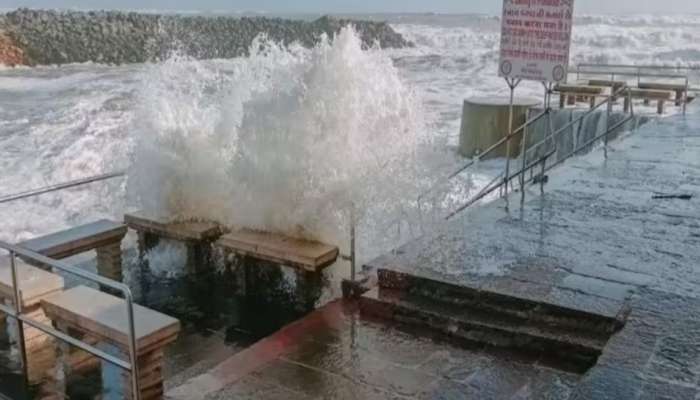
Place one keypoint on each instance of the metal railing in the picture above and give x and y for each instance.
(642, 71)
(16, 312)
(61, 186)
(502, 181)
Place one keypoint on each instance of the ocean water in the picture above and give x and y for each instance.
(286, 140)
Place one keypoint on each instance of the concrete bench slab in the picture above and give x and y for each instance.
(181, 231)
(302, 254)
(578, 89)
(196, 235)
(606, 83)
(34, 283)
(661, 86)
(678, 89)
(77, 240)
(104, 316)
(648, 95)
(651, 94)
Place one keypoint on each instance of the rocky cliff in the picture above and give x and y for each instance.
(58, 37)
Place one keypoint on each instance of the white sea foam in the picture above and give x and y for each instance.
(195, 119)
(286, 140)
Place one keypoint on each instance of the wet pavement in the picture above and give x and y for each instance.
(335, 353)
(597, 241)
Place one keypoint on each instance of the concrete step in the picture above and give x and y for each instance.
(560, 348)
(543, 314)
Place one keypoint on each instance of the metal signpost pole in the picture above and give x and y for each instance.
(512, 84)
(535, 45)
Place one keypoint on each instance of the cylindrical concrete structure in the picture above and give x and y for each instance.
(485, 122)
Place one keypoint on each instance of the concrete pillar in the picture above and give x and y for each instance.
(71, 360)
(197, 255)
(627, 104)
(485, 122)
(109, 262)
(679, 97)
(660, 107)
(150, 376)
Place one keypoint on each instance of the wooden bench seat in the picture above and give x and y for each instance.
(104, 317)
(678, 89)
(196, 235)
(104, 236)
(301, 254)
(35, 284)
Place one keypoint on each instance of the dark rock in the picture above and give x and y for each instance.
(57, 37)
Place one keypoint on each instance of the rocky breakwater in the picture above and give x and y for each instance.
(58, 37)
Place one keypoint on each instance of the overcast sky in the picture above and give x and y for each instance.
(358, 6)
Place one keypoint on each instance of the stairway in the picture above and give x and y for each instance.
(563, 338)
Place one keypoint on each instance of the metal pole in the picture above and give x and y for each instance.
(18, 311)
(512, 84)
(607, 126)
(685, 96)
(61, 186)
(352, 245)
(133, 353)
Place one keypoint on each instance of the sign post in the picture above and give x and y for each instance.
(535, 45)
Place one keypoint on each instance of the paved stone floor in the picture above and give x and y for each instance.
(336, 354)
(597, 240)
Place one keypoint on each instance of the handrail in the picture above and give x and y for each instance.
(490, 188)
(61, 186)
(578, 119)
(16, 312)
(687, 67)
(486, 152)
(500, 143)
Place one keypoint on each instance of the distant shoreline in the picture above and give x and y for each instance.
(49, 37)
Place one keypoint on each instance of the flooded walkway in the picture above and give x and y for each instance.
(617, 237)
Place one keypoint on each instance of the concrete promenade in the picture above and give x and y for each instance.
(608, 236)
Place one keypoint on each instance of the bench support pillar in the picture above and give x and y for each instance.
(680, 94)
(109, 262)
(197, 255)
(150, 376)
(39, 347)
(660, 107)
(73, 360)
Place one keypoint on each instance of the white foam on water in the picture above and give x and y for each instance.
(286, 140)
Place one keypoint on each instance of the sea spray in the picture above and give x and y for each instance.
(286, 140)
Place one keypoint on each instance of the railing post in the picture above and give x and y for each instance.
(353, 272)
(607, 126)
(18, 311)
(133, 351)
(512, 84)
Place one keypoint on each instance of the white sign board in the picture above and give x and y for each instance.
(535, 39)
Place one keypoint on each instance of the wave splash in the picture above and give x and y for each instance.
(287, 140)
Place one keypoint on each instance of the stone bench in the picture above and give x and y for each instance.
(307, 258)
(648, 95)
(301, 254)
(35, 284)
(571, 92)
(197, 236)
(101, 316)
(104, 236)
(678, 89)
